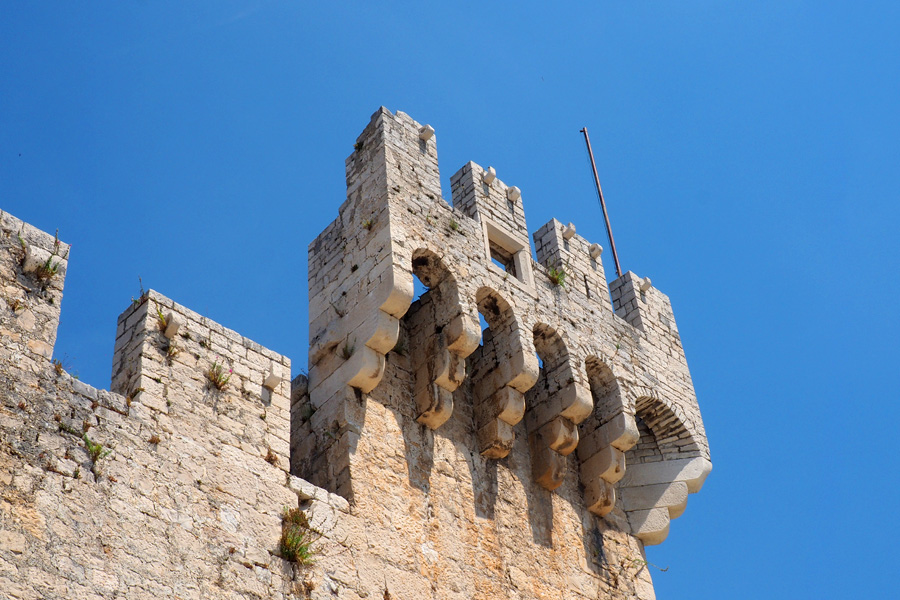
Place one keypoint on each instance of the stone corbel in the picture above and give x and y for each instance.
(500, 391)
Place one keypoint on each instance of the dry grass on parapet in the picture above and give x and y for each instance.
(297, 537)
(172, 350)
(63, 365)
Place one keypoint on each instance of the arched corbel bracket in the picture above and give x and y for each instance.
(443, 331)
(557, 404)
(505, 367)
(671, 465)
(605, 437)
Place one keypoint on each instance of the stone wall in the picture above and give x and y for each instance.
(411, 395)
(429, 459)
(156, 492)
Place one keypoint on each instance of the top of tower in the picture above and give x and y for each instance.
(579, 364)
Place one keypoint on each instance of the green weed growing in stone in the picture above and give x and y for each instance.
(57, 245)
(454, 225)
(557, 275)
(95, 451)
(14, 304)
(217, 375)
(161, 320)
(136, 301)
(348, 350)
(48, 270)
(63, 426)
(368, 224)
(297, 537)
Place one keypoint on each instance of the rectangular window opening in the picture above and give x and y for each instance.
(503, 258)
(508, 253)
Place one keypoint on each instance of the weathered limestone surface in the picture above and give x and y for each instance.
(533, 459)
(575, 387)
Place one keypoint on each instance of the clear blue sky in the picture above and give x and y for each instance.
(748, 152)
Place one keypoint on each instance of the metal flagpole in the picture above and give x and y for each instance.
(612, 242)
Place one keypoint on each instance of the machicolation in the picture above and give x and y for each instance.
(422, 457)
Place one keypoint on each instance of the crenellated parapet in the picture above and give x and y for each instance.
(165, 353)
(33, 270)
(592, 376)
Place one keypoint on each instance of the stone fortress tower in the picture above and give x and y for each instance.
(533, 459)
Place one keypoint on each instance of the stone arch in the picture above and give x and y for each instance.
(556, 404)
(493, 307)
(605, 390)
(504, 367)
(663, 467)
(441, 332)
(668, 426)
(605, 437)
(429, 267)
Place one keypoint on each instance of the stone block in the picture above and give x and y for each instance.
(173, 324)
(35, 259)
(151, 401)
(620, 432)
(576, 402)
(434, 405)
(671, 496)
(692, 471)
(560, 435)
(608, 464)
(599, 496)
(12, 541)
(495, 439)
(651, 526)
(508, 404)
(548, 467)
